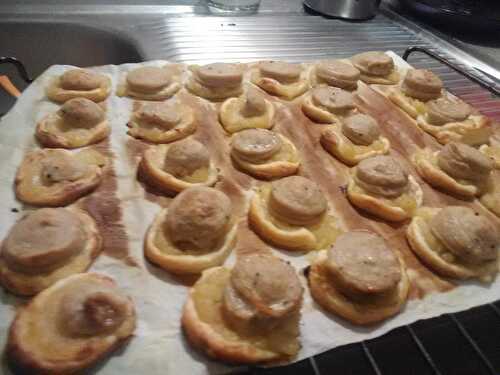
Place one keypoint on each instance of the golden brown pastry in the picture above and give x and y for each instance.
(264, 154)
(376, 67)
(196, 232)
(381, 187)
(492, 149)
(217, 81)
(70, 326)
(359, 278)
(417, 87)
(149, 83)
(458, 169)
(79, 83)
(280, 78)
(249, 314)
(336, 73)
(178, 166)
(45, 246)
(249, 111)
(357, 139)
(57, 177)
(162, 122)
(455, 242)
(326, 104)
(292, 213)
(78, 123)
(449, 119)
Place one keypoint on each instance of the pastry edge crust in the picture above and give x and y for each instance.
(22, 288)
(59, 95)
(274, 169)
(429, 257)
(439, 179)
(167, 182)
(297, 240)
(332, 147)
(205, 92)
(22, 360)
(49, 139)
(185, 264)
(204, 337)
(356, 313)
(163, 94)
(380, 209)
(72, 191)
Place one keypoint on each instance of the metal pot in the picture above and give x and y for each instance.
(348, 9)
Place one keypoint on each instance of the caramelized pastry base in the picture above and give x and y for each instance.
(361, 313)
(434, 254)
(35, 344)
(206, 328)
(160, 250)
(425, 162)
(493, 152)
(52, 131)
(292, 237)
(321, 115)
(163, 94)
(397, 209)
(476, 130)
(391, 79)
(31, 189)
(284, 163)
(491, 195)
(287, 91)
(29, 284)
(413, 107)
(156, 134)
(59, 95)
(213, 93)
(151, 169)
(347, 152)
(233, 121)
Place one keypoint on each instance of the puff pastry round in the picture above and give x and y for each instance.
(357, 139)
(57, 177)
(326, 104)
(376, 67)
(249, 111)
(249, 314)
(45, 246)
(336, 73)
(194, 233)
(264, 154)
(79, 83)
(178, 166)
(163, 122)
(359, 278)
(281, 79)
(70, 326)
(292, 213)
(455, 242)
(78, 123)
(150, 83)
(381, 187)
(449, 119)
(457, 169)
(418, 87)
(217, 81)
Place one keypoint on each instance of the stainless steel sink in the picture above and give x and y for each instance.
(40, 44)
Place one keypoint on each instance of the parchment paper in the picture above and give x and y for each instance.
(159, 346)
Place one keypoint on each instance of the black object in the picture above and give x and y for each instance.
(19, 66)
(466, 15)
(489, 85)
